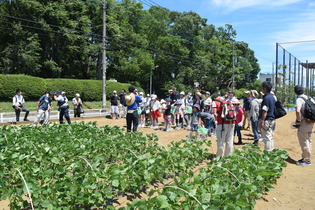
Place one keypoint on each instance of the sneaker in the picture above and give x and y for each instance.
(302, 163)
(178, 128)
(188, 127)
(239, 143)
(26, 120)
(255, 142)
(168, 130)
(156, 127)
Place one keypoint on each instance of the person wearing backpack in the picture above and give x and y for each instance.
(304, 106)
(225, 116)
(267, 123)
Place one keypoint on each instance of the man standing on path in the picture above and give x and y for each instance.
(18, 106)
(43, 107)
(62, 100)
(267, 122)
(305, 127)
(132, 102)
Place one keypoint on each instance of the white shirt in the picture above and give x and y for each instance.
(76, 101)
(156, 105)
(17, 100)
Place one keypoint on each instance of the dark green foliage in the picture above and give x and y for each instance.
(65, 41)
(34, 87)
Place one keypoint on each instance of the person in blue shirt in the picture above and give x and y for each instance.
(267, 122)
(43, 107)
(132, 102)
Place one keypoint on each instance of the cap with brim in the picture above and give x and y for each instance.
(247, 91)
(63, 93)
(130, 99)
(182, 93)
(167, 99)
(231, 92)
(163, 101)
(235, 102)
(207, 93)
(153, 96)
(58, 91)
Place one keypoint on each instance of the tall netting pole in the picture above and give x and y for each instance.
(276, 79)
(294, 71)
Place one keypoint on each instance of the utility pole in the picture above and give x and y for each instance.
(104, 56)
(233, 68)
(151, 78)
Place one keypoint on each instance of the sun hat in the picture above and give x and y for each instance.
(154, 96)
(130, 99)
(197, 106)
(77, 95)
(63, 93)
(114, 91)
(141, 93)
(148, 95)
(254, 93)
(162, 101)
(182, 93)
(235, 101)
(58, 91)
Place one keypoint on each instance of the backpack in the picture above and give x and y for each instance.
(309, 109)
(228, 112)
(279, 110)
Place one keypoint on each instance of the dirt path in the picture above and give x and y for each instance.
(294, 189)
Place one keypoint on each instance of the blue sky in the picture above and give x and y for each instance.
(261, 23)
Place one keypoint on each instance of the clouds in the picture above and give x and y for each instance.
(232, 5)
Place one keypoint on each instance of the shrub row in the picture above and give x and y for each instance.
(34, 87)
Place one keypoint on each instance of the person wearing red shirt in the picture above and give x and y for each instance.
(239, 121)
(224, 130)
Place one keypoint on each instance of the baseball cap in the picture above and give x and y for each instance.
(58, 91)
(182, 93)
(168, 99)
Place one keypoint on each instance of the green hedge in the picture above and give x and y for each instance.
(34, 87)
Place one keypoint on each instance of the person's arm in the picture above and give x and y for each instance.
(23, 101)
(75, 102)
(298, 112)
(39, 100)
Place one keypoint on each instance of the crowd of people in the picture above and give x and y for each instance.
(44, 106)
(222, 116)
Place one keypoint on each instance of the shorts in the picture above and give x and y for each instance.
(168, 119)
(156, 114)
(194, 127)
(114, 110)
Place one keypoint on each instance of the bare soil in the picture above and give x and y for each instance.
(295, 188)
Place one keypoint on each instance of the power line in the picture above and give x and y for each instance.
(296, 42)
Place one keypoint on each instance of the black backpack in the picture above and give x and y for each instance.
(279, 110)
(309, 109)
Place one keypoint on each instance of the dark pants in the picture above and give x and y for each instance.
(208, 123)
(64, 113)
(77, 112)
(18, 111)
(237, 131)
(132, 118)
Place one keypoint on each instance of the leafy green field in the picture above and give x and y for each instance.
(82, 166)
(31, 105)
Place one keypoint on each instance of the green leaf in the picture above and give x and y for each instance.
(115, 183)
(162, 201)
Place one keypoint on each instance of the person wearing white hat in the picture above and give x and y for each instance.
(155, 112)
(239, 121)
(63, 106)
(207, 103)
(132, 102)
(114, 111)
(77, 103)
